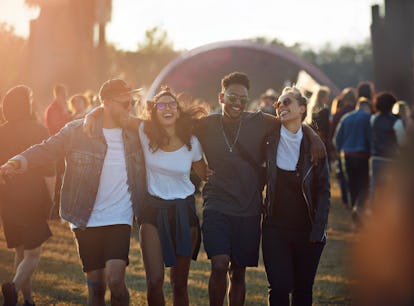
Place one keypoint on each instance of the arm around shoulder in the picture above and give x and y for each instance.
(317, 149)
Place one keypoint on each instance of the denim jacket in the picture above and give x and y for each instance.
(84, 157)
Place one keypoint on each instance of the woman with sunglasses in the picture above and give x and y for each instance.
(297, 205)
(169, 226)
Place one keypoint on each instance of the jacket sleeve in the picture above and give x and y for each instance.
(48, 169)
(338, 138)
(49, 151)
(322, 201)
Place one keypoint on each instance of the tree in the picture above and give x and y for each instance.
(345, 66)
(11, 56)
(156, 42)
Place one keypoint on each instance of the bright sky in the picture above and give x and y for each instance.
(192, 23)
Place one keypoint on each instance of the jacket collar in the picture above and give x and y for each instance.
(97, 131)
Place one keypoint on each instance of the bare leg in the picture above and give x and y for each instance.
(115, 277)
(25, 264)
(153, 264)
(179, 279)
(218, 279)
(237, 289)
(96, 287)
(179, 275)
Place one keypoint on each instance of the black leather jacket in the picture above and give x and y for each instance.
(315, 186)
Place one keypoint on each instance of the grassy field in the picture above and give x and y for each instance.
(59, 279)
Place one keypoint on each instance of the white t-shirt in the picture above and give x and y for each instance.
(288, 149)
(168, 173)
(113, 202)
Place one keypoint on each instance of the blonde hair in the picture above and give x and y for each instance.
(297, 94)
(316, 104)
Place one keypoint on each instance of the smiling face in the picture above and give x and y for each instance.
(166, 110)
(289, 109)
(119, 108)
(234, 100)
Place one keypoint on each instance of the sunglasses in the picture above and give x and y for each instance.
(284, 102)
(126, 104)
(163, 105)
(234, 98)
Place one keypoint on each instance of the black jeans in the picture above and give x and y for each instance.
(291, 262)
(357, 170)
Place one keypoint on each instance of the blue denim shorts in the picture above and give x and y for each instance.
(237, 237)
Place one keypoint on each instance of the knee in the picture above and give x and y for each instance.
(116, 284)
(179, 286)
(219, 267)
(305, 287)
(155, 283)
(33, 254)
(97, 289)
(237, 274)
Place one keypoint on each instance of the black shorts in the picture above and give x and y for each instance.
(29, 235)
(97, 245)
(237, 237)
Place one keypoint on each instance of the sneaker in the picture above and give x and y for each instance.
(9, 294)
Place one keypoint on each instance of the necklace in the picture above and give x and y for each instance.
(230, 147)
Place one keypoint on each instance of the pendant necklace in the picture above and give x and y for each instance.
(230, 147)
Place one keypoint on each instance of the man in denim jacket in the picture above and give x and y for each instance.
(103, 185)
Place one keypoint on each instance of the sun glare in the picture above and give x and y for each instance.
(18, 15)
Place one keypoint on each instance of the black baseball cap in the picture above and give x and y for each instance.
(114, 88)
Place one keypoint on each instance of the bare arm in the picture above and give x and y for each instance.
(8, 170)
(133, 123)
(202, 170)
(318, 150)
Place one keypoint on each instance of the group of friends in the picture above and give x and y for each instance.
(119, 167)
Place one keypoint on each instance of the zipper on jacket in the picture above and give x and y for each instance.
(304, 195)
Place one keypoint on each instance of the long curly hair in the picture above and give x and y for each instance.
(190, 111)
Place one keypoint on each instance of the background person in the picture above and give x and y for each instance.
(384, 147)
(342, 104)
(353, 141)
(266, 101)
(56, 116)
(24, 200)
(318, 114)
(78, 106)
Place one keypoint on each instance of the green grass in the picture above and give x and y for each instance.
(59, 279)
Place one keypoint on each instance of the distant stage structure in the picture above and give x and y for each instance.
(199, 71)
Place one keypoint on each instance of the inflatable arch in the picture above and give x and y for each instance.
(199, 71)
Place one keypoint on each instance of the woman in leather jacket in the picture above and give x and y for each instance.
(296, 206)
